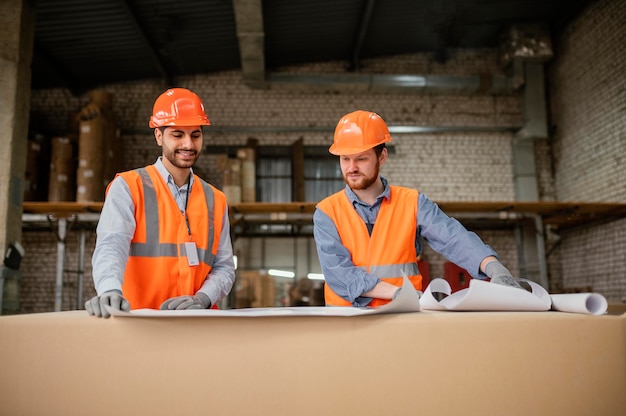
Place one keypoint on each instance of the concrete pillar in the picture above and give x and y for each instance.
(17, 30)
(251, 34)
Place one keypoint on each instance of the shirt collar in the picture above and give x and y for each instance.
(167, 177)
(385, 194)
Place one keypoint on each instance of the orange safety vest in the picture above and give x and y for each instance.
(389, 251)
(157, 267)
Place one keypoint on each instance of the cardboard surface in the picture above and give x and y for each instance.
(435, 363)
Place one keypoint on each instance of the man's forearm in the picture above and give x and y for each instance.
(485, 261)
(382, 290)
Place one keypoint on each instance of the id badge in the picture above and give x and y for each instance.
(192, 253)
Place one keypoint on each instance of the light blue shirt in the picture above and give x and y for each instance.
(116, 228)
(444, 234)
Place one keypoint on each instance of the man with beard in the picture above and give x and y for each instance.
(368, 235)
(163, 238)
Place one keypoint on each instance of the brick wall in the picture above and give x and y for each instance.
(588, 104)
(39, 268)
(463, 166)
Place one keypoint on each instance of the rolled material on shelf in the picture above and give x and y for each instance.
(61, 186)
(99, 147)
(248, 173)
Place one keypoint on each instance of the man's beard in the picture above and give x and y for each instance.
(170, 155)
(363, 182)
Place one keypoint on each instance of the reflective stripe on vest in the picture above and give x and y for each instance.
(387, 271)
(152, 232)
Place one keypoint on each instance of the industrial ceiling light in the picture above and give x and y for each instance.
(281, 273)
(315, 276)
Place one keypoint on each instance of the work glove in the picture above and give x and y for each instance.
(198, 301)
(113, 298)
(501, 275)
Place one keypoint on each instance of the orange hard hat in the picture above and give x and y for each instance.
(178, 107)
(359, 131)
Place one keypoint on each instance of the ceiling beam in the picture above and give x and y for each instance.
(364, 25)
(147, 42)
(251, 35)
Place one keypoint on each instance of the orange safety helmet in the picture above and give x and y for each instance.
(178, 107)
(359, 131)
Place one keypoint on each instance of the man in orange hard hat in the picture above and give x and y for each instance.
(163, 238)
(368, 235)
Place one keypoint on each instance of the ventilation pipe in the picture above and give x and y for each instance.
(525, 50)
(397, 84)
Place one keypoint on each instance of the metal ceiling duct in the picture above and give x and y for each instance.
(375, 83)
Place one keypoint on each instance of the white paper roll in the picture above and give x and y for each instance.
(590, 303)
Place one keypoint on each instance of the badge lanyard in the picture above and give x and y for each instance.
(186, 202)
(190, 246)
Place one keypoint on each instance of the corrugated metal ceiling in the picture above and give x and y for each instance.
(80, 44)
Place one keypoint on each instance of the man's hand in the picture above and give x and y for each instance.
(396, 293)
(198, 301)
(113, 298)
(501, 275)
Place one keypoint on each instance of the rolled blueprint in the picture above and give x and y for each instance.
(485, 296)
(590, 303)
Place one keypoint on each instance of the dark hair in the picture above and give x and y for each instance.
(379, 149)
(162, 128)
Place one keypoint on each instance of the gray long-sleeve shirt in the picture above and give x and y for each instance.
(442, 233)
(116, 228)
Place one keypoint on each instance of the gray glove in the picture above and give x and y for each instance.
(112, 298)
(198, 301)
(501, 275)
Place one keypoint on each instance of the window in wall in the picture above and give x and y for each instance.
(273, 180)
(293, 173)
(296, 173)
(322, 177)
